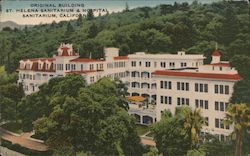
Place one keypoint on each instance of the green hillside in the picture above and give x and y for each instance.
(166, 28)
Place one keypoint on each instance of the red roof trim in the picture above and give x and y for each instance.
(65, 48)
(85, 60)
(197, 75)
(216, 53)
(121, 58)
(220, 64)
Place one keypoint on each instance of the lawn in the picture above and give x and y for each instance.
(13, 127)
(142, 129)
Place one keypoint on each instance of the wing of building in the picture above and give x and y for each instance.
(169, 80)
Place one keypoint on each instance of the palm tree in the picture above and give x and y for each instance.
(193, 122)
(239, 116)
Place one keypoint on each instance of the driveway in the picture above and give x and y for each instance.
(23, 140)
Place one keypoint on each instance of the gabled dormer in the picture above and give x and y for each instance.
(66, 50)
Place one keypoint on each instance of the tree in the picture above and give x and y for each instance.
(79, 20)
(241, 63)
(69, 28)
(155, 41)
(170, 136)
(126, 7)
(166, 9)
(48, 96)
(90, 15)
(10, 95)
(239, 116)
(93, 121)
(241, 88)
(68, 33)
(193, 122)
(93, 31)
(230, 26)
(175, 135)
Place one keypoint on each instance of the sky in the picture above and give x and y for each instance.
(15, 10)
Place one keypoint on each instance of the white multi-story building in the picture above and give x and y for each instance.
(209, 88)
(141, 66)
(34, 72)
(169, 80)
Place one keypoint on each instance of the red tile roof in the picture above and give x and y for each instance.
(65, 48)
(121, 58)
(220, 64)
(34, 67)
(85, 60)
(216, 53)
(81, 71)
(65, 53)
(197, 75)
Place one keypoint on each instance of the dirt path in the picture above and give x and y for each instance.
(147, 141)
(23, 140)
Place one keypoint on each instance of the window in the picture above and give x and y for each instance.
(81, 66)
(187, 86)
(182, 86)
(133, 63)
(200, 87)
(171, 64)
(166, 100)
(133, 74)
(217, 124)
(183, 101)
(169, 85)
(206, 121)
(183, 64)
(178, 101)
(170, 100)
(206, 88)
(147, 64)
(221, 89)
(196, 87)
(166, 84)
(162, 99)
(221, 106)
(216, 89)
(162, 84)
(163, 64)
(201, 104)
(196, 103)
(216, 105)
(226, 89)
(206, 104)
(178, 85)
(92, 79)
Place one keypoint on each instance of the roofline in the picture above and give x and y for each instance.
(214, 76)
